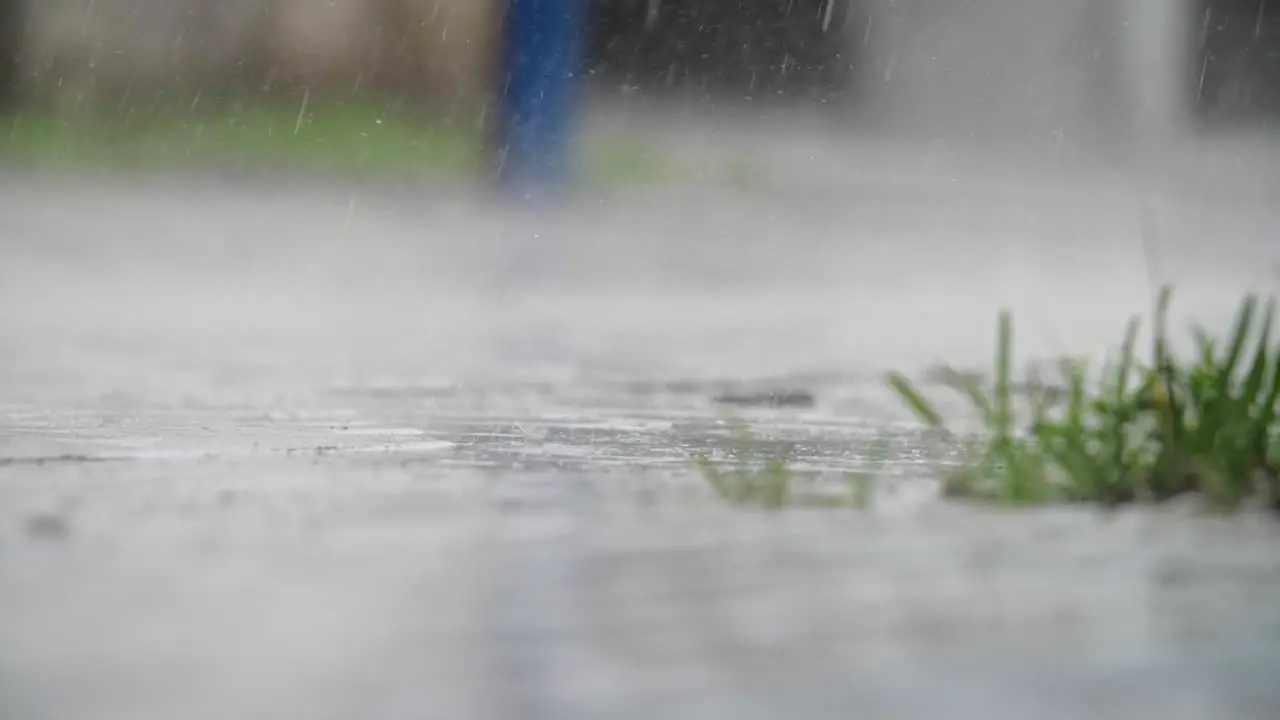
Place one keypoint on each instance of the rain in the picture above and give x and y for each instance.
(639, 358)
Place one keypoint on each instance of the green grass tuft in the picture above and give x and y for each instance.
(1129, 432)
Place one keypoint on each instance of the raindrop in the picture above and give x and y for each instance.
(1204, 68)
(302, 111)
(351, 209)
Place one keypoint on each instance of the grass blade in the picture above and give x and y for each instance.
(1261, 358)
(1239, 336)
(1124, 368)
(916, 402)
(1003, 400)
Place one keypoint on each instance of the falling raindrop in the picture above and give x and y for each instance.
(351, 210)
(1204, 68)
(302, 110)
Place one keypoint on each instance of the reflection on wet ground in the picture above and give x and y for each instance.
(625, 427)
(632, 430)
(418, 554)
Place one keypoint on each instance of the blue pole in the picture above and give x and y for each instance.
(542, 45)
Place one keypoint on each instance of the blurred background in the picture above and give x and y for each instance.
(1072, 73)
(967, 150)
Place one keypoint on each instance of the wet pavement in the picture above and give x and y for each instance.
(338, 451)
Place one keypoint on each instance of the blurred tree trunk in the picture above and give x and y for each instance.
(12, 33)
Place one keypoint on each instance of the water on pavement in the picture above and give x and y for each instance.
(332, 450)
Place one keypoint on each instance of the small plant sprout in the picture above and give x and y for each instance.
(756, 477)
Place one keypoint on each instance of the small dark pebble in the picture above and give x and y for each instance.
(774, 399)
(47, 527)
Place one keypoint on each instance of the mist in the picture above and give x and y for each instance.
(338, 378)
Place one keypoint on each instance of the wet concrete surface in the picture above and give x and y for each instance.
(326, 450)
